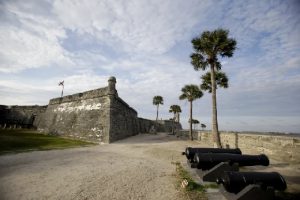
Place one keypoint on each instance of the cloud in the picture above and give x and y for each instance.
(29, 40)
(131, 26)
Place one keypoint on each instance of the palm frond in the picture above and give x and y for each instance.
(221, 81)
(190, 92)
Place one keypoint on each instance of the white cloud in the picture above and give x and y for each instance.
(134, 26)
(29, 41)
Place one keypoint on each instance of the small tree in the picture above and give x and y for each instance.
(156, 101)
(176, 110)
(203, 126)
(195, 122)
(191, 93)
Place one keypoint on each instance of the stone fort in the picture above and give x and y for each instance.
(98, 115)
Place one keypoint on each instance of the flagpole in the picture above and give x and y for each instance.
(62, 83)
(62, 91)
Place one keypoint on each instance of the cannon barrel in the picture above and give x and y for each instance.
(234, 182)
(190, 152)
(207, 161)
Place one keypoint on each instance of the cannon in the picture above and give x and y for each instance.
(190, 152)
(206, 161)
(235, 182)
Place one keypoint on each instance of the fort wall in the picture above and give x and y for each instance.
(145, 125)
(83, 116)
(168, 125)
(284, 148)
(123, 120)
(20, 116)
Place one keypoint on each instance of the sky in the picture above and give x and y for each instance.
(146, 45)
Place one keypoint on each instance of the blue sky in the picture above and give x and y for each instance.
(146, 46)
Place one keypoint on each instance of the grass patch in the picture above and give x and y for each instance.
(193, 190)
(30, 140)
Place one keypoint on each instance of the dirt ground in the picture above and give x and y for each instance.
(135, 168)
(138, 167)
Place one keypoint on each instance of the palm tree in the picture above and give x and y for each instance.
(156, 101)
(207, 48)
(221, 81)
(191, 93)
(195, 121)
(176, 110)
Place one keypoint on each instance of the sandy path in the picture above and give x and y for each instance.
(136, 168)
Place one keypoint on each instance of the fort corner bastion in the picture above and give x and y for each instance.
(98, 115)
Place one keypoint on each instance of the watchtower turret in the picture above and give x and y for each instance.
(112, 86)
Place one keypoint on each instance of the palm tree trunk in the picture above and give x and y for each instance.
(173, 122)
(157, 112)
(215, 130)
(191, 117)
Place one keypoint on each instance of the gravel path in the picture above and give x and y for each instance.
(135, 168)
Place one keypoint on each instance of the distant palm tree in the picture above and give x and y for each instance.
(207, 48)
(191, 93)
(176, 110)
(156, 101)
(195, 121)
(221, 81)
(203, 126)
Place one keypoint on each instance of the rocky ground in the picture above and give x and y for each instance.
(139, 167)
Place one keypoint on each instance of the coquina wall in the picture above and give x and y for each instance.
(83, 116)
(123, 120)
(95, 115)
(98, 115)
(278, 147)
(20, 116)
(168, 125)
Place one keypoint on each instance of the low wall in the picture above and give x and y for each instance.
(167, 125)
(145, 125)
(278, 147)
(20, 116)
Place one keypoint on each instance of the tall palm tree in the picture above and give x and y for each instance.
(221, 81)
(207, 48)
(191, 93)
(156, 101)
(175, 109)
